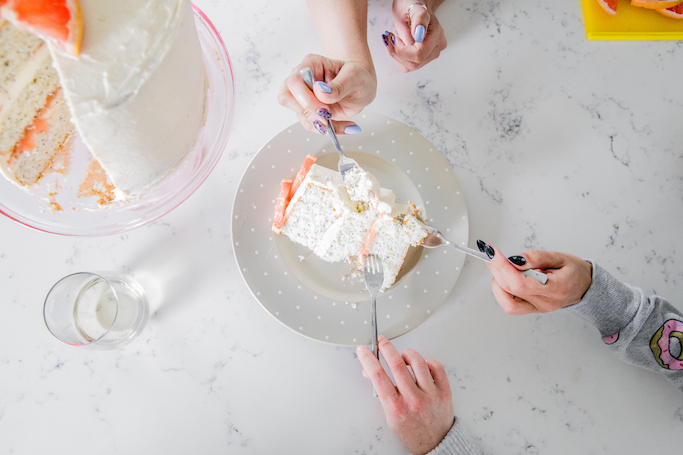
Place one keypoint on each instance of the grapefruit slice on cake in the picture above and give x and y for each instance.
(58, 21)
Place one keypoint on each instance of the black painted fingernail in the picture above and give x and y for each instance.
(322, 129)
(385, 39)
(517, 260)
(485, 248)
(324, 113)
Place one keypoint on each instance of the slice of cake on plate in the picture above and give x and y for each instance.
(346, 219)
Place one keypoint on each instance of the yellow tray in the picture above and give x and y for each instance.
(630, 23)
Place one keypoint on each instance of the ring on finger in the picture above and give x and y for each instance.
(415, 5)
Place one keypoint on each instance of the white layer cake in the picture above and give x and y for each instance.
(343, 220)
(136, 93)
(137, 89)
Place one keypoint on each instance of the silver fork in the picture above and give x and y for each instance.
(374, 277)
(345, 163)
(436, 239)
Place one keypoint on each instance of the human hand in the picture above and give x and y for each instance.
(420, 36)
(342, 89)
(569, 277)
(419, 411)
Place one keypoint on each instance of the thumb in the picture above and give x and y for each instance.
(419, 23)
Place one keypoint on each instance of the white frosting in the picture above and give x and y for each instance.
(137, 89)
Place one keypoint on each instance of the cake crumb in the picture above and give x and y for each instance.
(96, 183)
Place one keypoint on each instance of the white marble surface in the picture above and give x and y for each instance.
(558, 143)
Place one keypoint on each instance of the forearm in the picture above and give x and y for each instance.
(644, 331)
(342, 27)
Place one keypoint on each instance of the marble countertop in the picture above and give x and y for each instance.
(558, 143)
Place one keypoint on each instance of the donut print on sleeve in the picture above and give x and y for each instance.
(667, 345)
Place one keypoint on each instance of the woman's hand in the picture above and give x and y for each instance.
(419, 410)
(420, 36)
(569, 277)
(342, 89)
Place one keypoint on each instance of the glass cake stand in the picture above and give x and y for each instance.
(85, 217)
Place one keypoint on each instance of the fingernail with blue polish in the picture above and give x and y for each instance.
(352, 129)
(419, 33)
(322, 129)
(385, 39)
(324, 113)
(393, 40)
(323, 86)
(517, 260)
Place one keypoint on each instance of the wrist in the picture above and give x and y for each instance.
(367, 65)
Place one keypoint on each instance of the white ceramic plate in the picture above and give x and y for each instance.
(309, 295)
(83, 216)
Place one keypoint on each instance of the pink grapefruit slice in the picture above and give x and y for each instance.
(675, 12)
(656, 4)
(309, 161)
(59, 21)
(610, 6)
(281, 204)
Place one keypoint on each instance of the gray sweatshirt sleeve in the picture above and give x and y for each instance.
(643, 331)
(456, 442)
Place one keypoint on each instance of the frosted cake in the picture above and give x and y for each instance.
(347, 219)
(135, 93)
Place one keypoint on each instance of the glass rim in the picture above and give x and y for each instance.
(94, 274)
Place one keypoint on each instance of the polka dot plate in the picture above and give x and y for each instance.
(317, 299)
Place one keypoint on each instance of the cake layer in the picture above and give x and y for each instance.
(137, 88)
(312, 214)
(392, 240)
(44, 138)
(34, 117)
(17, 47)
(344, 239)
(28, 81)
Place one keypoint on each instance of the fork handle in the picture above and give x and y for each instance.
(307, 76)
(375, 351)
